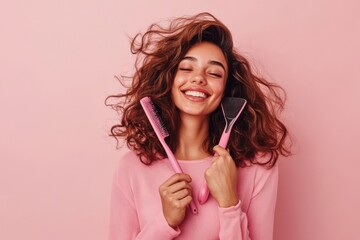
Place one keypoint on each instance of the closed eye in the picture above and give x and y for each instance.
(185, 69)
(216, 75)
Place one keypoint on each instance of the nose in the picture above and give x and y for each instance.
(198, 79)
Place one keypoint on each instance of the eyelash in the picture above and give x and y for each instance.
(212, 74)
(216, 75)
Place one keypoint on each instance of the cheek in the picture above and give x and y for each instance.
(172, 93)
(176, 81)
(219, 87)
(175, 89)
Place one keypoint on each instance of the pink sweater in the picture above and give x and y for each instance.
(136, 210)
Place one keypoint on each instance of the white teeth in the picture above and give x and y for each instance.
(195, 94)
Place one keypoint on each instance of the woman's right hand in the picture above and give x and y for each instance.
(176, 195)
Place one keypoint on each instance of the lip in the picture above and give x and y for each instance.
(196, 90)
(192, 98)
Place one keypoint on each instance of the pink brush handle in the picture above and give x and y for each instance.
(204, 190)
(176, 167)
(224, 140)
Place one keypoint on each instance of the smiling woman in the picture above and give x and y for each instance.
(187, 68)
(200, 80)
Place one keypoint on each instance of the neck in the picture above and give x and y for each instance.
(192, 134)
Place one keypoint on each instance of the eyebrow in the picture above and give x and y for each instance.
(212, 62)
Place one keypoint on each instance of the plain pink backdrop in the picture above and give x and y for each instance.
(57, 62)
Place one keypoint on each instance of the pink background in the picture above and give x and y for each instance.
(57, 62)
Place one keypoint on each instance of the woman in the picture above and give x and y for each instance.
(187, 68)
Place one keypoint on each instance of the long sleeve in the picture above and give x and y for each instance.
(124, 223)
(233, 223)
(136, 210)
(123, 219)
(262, 206)
(258, 223)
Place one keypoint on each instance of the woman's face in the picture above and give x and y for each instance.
(200, 80)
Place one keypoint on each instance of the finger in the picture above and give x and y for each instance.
(182, 194)
(220, 150)
(177, 177)
(182, 203)
(185, 201)
(179, 186)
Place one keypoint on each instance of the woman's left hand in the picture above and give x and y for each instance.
(221, 178)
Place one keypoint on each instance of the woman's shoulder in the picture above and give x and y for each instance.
(128, 160)
(130, 163)
(128, 167)
(260, 169)
(261, 162)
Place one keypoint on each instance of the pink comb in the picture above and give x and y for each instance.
(231, 108)
(162, 133)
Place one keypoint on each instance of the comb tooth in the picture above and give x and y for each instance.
(232, 106)
(154, 116)
(160, 125)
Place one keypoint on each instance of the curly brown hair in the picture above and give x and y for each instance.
(159, 51)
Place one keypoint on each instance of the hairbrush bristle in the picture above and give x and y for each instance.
(154, 117)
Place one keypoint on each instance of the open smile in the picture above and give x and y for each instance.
(195, 93)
